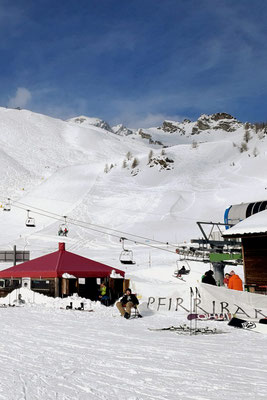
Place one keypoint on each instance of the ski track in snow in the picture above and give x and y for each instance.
(59, 354)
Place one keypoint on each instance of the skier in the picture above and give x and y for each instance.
(127, 302)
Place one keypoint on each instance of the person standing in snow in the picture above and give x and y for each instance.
(235, 282)
(208, 278)
(103, 296)
(127, 302)
(226, 280)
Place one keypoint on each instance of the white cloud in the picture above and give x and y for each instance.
(21, 98)
(139, 120)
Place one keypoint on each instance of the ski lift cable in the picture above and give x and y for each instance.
(72, 220)
(103, 227)
(99, 231)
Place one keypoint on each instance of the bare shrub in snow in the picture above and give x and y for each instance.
(194, 144)
(261, 134)
(260, 126)
(247, 126)
(247, 136)
(124, 164)
(135, 162)
(129, 155)
(255, 152)
(150, 155)
(243, 147)
(163, 152)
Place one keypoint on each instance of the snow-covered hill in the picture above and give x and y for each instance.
(155, 183)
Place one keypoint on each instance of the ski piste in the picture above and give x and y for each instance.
(210, 317)
(260, 326)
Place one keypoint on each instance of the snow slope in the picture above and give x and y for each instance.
(53, 166)
(99, 355)
(58, 166)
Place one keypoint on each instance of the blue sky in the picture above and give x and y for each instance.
(135, 62)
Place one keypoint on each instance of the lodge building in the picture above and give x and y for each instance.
(62, 274)
(253, 234)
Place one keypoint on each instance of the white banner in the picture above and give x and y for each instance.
(212, 299)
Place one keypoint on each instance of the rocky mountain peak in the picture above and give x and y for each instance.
(223, 121)
(87, 121)
(121, 130)
(171, 126)
(219, 116)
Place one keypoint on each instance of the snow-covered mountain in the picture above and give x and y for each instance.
(154, 182)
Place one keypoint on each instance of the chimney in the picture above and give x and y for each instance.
(61, 246)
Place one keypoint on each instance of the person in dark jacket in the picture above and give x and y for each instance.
(128, 301)
(208, 278)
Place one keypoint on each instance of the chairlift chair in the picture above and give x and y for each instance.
(126, 256)
(182, 270)
(7, 206)
(63, 228)
(30, 221)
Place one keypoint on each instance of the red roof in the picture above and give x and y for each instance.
(54, 265)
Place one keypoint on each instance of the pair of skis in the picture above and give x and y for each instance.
(185, 329)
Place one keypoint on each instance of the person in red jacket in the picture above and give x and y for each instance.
(226, 279)
(235, 282)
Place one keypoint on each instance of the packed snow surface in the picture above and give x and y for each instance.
(52, 353)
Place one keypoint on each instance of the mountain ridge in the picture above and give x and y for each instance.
(159, 185)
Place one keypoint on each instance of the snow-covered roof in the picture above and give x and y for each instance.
(257, 223)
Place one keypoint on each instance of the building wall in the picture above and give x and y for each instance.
(255, 260)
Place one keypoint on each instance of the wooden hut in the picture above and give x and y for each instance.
(253, 234)
(61, 274)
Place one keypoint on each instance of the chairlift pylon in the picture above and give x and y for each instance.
(63, 229)
(126, 256)
(30, 221)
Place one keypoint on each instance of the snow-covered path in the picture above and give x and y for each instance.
(57, 354)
